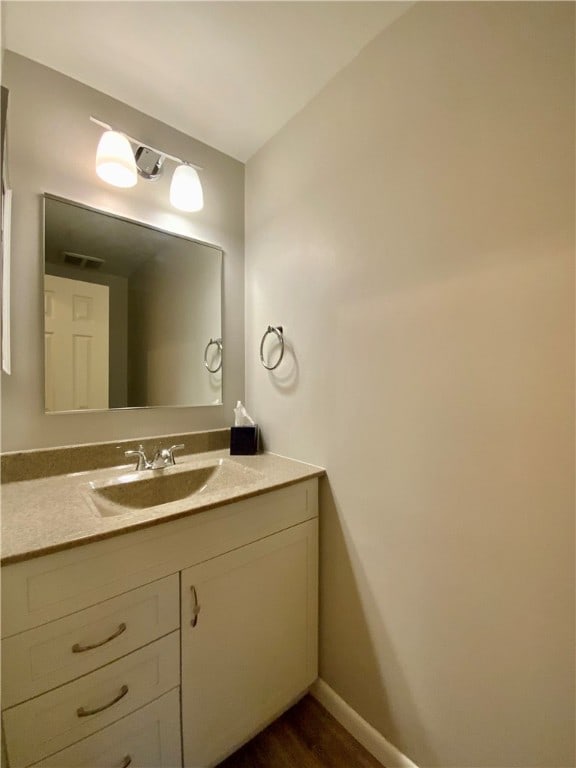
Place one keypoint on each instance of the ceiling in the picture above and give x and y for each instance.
(230, 74)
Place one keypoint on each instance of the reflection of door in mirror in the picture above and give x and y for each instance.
(76, 344)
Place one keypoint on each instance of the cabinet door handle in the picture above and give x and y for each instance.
(77, 648)
(195, 607)
(81, 712)
(126, 762)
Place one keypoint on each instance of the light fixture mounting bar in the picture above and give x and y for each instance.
(145, 144)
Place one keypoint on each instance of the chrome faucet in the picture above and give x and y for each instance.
(164, 457)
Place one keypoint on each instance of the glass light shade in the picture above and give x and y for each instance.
(185, 190)
(115, 162)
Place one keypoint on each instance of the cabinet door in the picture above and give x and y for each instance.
(249, 640)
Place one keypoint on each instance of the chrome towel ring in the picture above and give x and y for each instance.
(279, 332)
(218, 343)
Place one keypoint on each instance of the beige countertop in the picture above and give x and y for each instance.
(49, 514)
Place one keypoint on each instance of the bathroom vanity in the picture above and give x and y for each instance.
(160, 635)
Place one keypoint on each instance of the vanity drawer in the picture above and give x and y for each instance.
(55, 720)
(148, 738)
(55, 653)
(46, 588)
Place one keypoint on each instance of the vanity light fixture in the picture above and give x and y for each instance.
(115, 162)
(118, 164)
(186, 190)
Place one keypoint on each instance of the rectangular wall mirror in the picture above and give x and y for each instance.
(132, 314)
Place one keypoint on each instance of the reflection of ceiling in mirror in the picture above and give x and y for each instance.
(73, 229)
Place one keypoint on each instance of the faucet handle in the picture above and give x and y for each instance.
(136, 452)
(163, 457)
(142, 459)
(173, 448)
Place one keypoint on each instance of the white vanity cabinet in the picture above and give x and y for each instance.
(102, 665)
(249, 640)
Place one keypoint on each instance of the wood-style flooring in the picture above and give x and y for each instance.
(306, 736)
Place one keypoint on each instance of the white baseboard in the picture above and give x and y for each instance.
(369, 737)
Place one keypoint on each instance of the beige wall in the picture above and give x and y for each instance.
(413, 230)
(52, 149)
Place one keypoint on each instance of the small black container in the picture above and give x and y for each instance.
(244, 440)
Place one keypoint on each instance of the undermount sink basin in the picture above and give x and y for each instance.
(153, 488)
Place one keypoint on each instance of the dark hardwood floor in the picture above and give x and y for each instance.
(306, 736)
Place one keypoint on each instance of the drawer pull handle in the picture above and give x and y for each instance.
(77, 648)
(81, 712)
(195, 607)
(126, 762)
